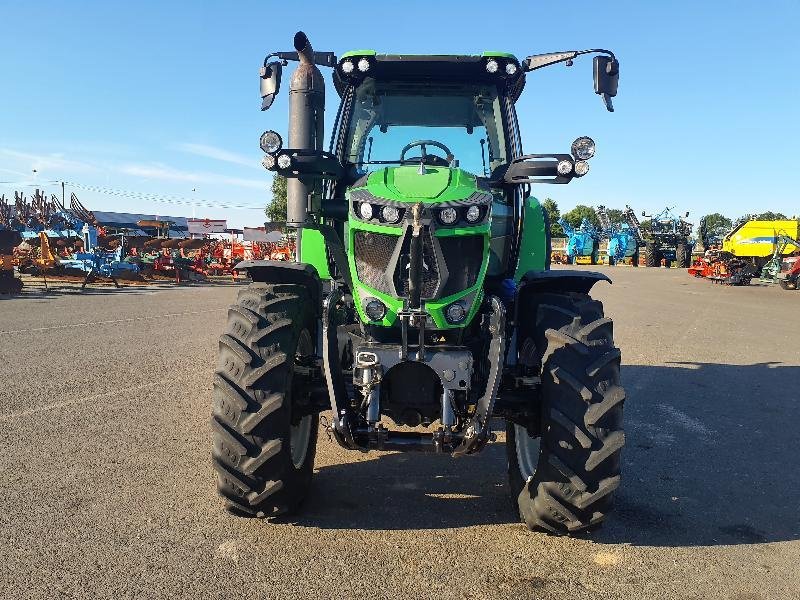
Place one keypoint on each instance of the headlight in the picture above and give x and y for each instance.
(473, 213)
(347, 66)
(581, 168)
(363, 65)
(284, 161)
(511, 68)
(268, 161)
(564, 167)
(448, 216)
(456, 312)
(583, 148)
(491, 66)
(365, 211)
(270, 142)
(390, 214)
(375, 309)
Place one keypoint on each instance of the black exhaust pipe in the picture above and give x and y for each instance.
(306, 130)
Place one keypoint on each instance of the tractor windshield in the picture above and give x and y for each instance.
(465, 118)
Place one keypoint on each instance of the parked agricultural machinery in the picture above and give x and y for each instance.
(10, 238)
(751, 249)
(422, 294)
(583, 242)
(624, 239)
(781, 266)
(789, 275)
(758, 242)
(667, 238)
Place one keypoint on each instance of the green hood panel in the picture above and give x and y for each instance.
(438, 184)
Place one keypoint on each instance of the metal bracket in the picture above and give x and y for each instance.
(477, 432)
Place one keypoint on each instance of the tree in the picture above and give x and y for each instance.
(276, 209)
(615, 215)
(550, 207)
(770, 216)
(579, 213)
(717, 221)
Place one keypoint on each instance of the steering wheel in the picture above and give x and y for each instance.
(435, 160)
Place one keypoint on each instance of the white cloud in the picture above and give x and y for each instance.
(49, 162)
(217, 154)
(166, 173)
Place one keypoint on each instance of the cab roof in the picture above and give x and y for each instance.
(451, 68)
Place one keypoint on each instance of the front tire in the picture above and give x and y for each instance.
(565, 482)
(263, 445)
(683, 255)
(652, 257)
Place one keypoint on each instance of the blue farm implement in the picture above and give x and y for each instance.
(667, 239)
(624, 239)
(583, 243)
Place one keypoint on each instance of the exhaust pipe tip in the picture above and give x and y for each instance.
(300, 40)
(304, 50)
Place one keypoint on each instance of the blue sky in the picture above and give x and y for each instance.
(162, 97)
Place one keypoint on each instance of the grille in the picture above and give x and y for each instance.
(430, 269)
(372, 254)
(463, 256)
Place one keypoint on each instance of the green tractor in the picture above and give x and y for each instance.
(421, 304)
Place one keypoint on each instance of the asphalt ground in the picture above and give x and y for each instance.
(106, 486)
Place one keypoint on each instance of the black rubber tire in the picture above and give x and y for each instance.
(252, 407)
(682, 256)
(595, 256)
(652, 257)
(788, 285)
(578, 466)
(10, 285)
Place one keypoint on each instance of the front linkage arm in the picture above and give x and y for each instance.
(477, 432)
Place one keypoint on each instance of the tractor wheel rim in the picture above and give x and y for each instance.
(527, 449)
(299, 436)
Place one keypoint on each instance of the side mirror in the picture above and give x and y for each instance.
(606, 78)
(687, 213)
(270, 83)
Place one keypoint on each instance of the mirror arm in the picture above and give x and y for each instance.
(545, 60)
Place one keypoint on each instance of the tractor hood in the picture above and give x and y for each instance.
(455, 249)
(407, 184)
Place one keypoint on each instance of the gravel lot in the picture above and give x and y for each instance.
(107, 487)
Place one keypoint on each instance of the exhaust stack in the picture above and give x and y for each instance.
(306, 130)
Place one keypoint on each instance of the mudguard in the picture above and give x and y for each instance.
(559, 281)
(278, 271)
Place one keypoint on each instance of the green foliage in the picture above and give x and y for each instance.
(580, 212)
(769, 216)
(550, 207)
(717, 222)
(276, 209)
(616, 216)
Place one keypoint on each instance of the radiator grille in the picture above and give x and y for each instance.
(464, 257)
(373, 251)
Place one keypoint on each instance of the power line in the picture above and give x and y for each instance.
(176, 200)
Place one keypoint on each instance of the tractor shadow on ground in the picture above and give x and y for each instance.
(710, 456)
(710, 459)
(411, 491)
